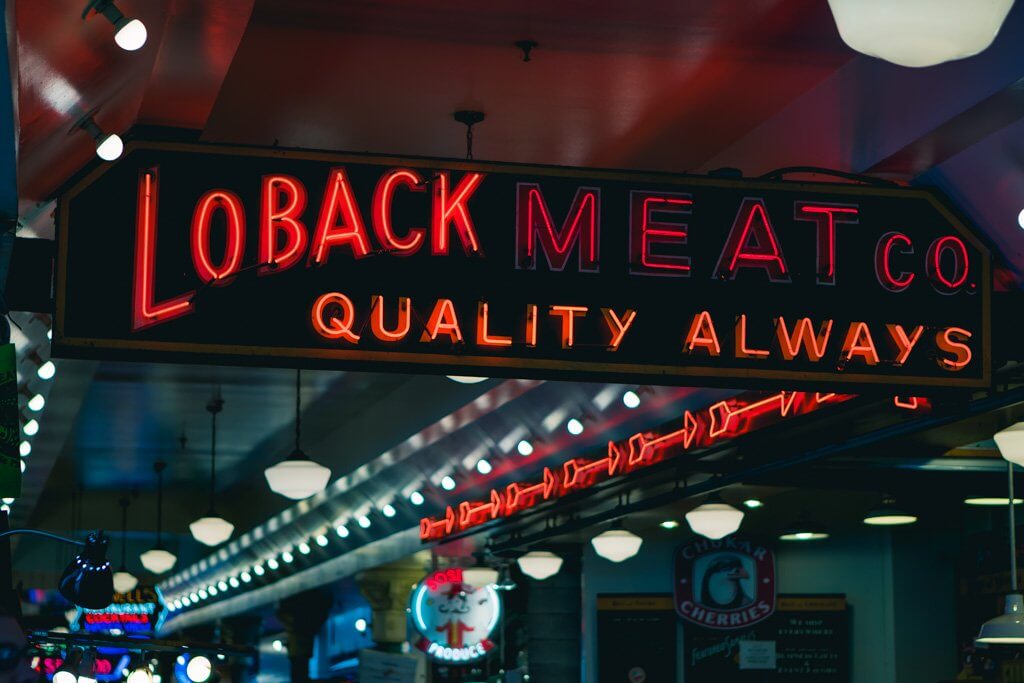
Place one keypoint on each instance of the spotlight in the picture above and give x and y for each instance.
(483, 466)
(246, 577)
(287, 557)
(258, 570)
(25, 449)
(31, 428)
(233, 582)
(108, 147)
(272, 564)
(416, 498)
(36, 403)
(199, 669)
(574, 426)
(342, 531)
(277, 645)
(304, 548)
(361, 625)
(524, 448)
(47, 370)
(631, 399)
(669, 524)
(129, 34)
(321, 541)
(448, 483)
(752, 504)
(364, 521)
(388, 510)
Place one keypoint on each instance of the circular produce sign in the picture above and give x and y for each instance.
(454, 619)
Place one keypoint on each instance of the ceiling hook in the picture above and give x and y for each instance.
(526, 46)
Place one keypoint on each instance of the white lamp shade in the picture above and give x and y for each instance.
(64, 676)
(1007, 628)
(199, 669)
(540, 564)
(297, 478)
(714, 520)
(158, 560)
(919, 32)
(141, 674)
(466, 379)
(616, 544)
(125, 582)
(211, 530)
(479, 577)
(1011, 443)
(130, 35)
(110, 147)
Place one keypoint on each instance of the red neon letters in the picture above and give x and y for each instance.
(754, 245)
(652, 231)
(535, 230)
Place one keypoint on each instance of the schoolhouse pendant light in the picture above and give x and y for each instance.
(466, 379)
(480, 575)
(297, 477)
(129, 34)
(889, 515)
(1010, 442)
(539, 564)
(158, 559)
(212, 529)
(124, 580)
(919, 33)
(714, 519)
(804, 529)
(616, 544)
(1007, 628)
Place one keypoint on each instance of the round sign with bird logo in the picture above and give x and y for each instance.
(454, 619)
(725, 584)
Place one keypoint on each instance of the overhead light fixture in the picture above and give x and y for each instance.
(467, 379)
(480, 574)
(341, 530)
(631, 399)
(416, 498)
(574, 426)
(539, 564)
(753, 504)
(109, 146)
(25, 448)
(1007, 628)
(448, 483)
(212, 529)
(616, 544)
(297, 477)
(141, 674)
(483, 466)
(1010, 442)
(304, 548)
(715, 518)
(199, 669)
(129, 34)
(88, 581)
(36, 403)
(889, 515)
(31, 428)
(669, 524)
(47, 370)
(505, 581)
(918, 33)
(388, 510)
(804, 529)
(321, 540)
(1020, 219)
(158, 559)
(991, 501)
(361, 625)
(524, 447)
(124, 580)
(363, 521)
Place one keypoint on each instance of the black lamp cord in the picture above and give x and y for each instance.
(1013, 531)
(298, 407)
(124, 530)
(159, 467)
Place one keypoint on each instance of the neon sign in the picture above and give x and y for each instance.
(454, 619)
(470, 268)
(140, 611)
(696, 429)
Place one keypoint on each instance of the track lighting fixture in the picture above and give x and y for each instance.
(109, 146)
(129, 34)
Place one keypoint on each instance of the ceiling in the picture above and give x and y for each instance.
(673, 85)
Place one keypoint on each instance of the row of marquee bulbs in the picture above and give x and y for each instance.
(45, 371)
(79, 667)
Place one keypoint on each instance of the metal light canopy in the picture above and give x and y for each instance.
(917, 33)
(297, 477)
(715, 519)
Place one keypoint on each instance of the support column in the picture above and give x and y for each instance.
(302, 615)
(387, 589)
(553, 620)
(243, 631)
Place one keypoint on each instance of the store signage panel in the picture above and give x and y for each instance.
(727, 584)
(454, 619)
(212, 254)
(138, 612)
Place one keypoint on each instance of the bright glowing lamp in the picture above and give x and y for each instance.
(297, 476)
(919, 33)
(714, 519)
(211, 530)
(889, 515)
(467, 379)
(616, 545)
(141, 674)
(199, 669)
(1007, 628)
(130, 35)
(1011, 443)
(480, 576)
(110, 147)
(158, 560)
(125, 582)
(539, 564)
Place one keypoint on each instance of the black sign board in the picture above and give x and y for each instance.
(210, 254)
(636, 638)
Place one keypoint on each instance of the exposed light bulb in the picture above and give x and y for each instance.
(448, 483)
(287, 557)
(388, 510)
(304, 548)
(364, 521)
(466, 379)
(25, 449)
(321, 540)
(110, 147)
(416, 498)
(31, 428)
(47, 370)
(361, 625)
(131, 35)
(483, 466)
(342, 531)
(524, 448)
(36, 403)
(631, 399)
(574, 427)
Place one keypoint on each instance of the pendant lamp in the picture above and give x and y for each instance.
(1007, 628)
(1010, 442)
(804, 529)
(714, 519)
(157, 559)
(124, 580)
(539, 564)
(616, 544)
(889, 515)
(919, 32)
(212, 529)
(480, 575)
(297, 477)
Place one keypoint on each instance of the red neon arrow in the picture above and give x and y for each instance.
(723, 413)
(468, 512)
(646, 448)
(515, 492)
(430, 528)
(575, 470)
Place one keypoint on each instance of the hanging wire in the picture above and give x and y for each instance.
(159, 466)
(469, 142)
(215, 405)
(124, 527)
(298, 408)
(1013, 531)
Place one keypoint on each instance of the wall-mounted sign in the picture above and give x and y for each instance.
(694, 430)
(209, 254)
(726, 584)
(454, 619)
(139, 612)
